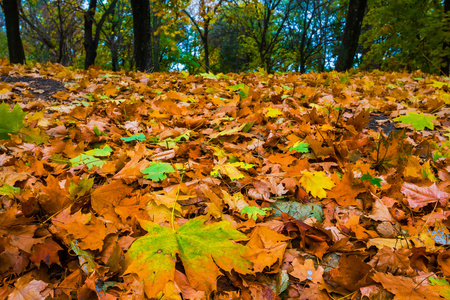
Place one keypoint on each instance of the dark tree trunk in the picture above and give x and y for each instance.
(114, 56)
(206, 45)
(89, 45)
(352, 30)
(142, 35)
(90, 40)
(446, 68)
(15, 46)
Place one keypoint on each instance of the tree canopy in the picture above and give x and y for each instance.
(230, 35)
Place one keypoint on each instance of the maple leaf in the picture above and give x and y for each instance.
(417, 121)
(231, 170)
(301, 147)
(421, 196)
(10, 121)
(405, 288)
(273, 112)
(316, 183)
(202, 249)
(30, 290)
(254, 211)
(307, 271)
(157, 171)
(47, 252)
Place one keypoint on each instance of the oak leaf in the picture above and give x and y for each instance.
(202, 249)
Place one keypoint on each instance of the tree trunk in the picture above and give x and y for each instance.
(446, 68)
(114, 56)
(205, 45)
(15, 46)
(142, 35)
(90, 40)
(352, 30)
(89, 45)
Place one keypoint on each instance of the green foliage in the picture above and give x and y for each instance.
(412, 39)
(301, 147)
(10, 121)
(158, 171)
(417, 121)
(372, 180)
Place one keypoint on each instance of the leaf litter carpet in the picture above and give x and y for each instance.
(252, 186)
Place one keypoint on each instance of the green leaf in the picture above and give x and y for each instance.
(89, 160)
(301, 147)
(248, 126)
(417, 121)
(10, 121)
(157, 171)
(137, 137)
(203, 249)
(442, 286)
(208, 75)
(254, 211)
(10, 191)
(372, 180)
(104, 152)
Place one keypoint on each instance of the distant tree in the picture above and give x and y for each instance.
(352, 30)
(15, 46)
(309, 33)
(406, 35)
(263, 23)
(53, 29)
(202, 13)
(91, 39)
(117, 35)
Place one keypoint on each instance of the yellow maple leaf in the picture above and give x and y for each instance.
(273, 112)
(316, 183)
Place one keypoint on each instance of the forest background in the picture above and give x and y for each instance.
(230, 35)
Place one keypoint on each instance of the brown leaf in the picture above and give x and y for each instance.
(105, 198)
(28, 290)
(405, 288)
(422, 196)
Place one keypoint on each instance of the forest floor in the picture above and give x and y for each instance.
(239, 186)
